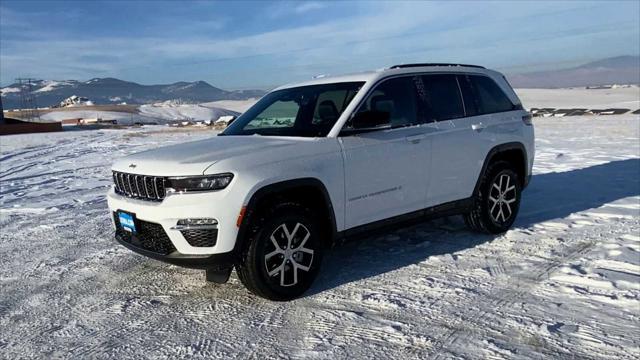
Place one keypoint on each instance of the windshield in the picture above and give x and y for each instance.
(306, 111)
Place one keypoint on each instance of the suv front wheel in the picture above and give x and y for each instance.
(497, 202)
(284, 253)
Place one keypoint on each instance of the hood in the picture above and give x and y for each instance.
(193, 158)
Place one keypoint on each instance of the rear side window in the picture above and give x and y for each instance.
(439, 97)
(489, 96)
(471, 102)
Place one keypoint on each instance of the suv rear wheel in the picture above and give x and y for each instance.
(284, 254)
(497, 202)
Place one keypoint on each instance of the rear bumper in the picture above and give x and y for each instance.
(221, 260)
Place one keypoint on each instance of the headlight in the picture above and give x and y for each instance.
(199, 183)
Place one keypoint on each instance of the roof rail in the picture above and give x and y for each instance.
(401, 66)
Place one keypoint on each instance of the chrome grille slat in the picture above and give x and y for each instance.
(141, 187)
(134, 187)
(135, 181)
(115, 181)
(133, 192)
(147, 188)
(144, 187)
(125, 184)
(119, 176)
(160, 187)
(136, 191)
(155, 186)
(142, 192)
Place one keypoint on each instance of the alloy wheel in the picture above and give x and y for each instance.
(501, 197)
(288, 254)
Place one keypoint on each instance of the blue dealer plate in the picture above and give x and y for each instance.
(127, 222)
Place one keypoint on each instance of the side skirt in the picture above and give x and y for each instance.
(457, 207)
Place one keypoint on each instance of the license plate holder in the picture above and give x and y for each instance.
(127, 221)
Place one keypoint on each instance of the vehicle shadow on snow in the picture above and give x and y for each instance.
(549, 196)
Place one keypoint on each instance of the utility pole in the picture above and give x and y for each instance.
(28, 105)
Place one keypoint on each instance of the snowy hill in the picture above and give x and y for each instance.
(170, 111)
(158, 113)
(112, 91)
(616, 70)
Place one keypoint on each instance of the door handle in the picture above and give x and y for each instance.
(478, 127)
(414, 139)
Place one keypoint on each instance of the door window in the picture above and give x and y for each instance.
(330, 105)
(440, 98)
(396, 97)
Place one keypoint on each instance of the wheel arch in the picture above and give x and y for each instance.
(310, 191)
(514, 152)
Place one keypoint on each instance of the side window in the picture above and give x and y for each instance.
(441, 99)
(471, 104)
(396, 97)
(330, 105)
(491, 99)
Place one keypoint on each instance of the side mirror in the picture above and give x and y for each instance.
(370, 119)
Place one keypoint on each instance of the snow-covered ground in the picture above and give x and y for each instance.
(564, 283)
(626, 98)
(124, 118)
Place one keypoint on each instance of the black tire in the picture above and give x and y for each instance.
(491, 216)
(260, 256)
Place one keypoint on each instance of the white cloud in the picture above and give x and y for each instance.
(283, 9)
(62, 57)
(376, 35)
(309, 6)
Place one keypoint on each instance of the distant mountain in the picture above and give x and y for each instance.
(615, 70)
(113, 91)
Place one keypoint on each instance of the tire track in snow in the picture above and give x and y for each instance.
(506, 296)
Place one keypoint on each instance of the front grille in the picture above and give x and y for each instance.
(139, 186)
(149, 236)
(201, 237)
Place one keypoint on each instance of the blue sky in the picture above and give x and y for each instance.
(261, 44)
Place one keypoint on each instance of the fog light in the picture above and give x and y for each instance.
(205, 221)
(201, 223)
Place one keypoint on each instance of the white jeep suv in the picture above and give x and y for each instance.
(318, 161)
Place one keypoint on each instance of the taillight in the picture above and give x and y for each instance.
(527, 119)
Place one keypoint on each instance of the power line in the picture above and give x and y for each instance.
(28, 105)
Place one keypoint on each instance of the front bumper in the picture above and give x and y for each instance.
(223, 260)
(184, 206)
